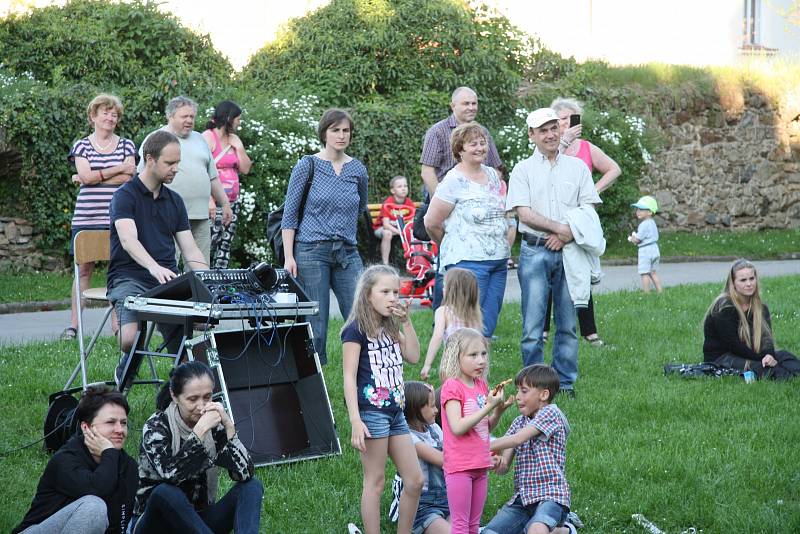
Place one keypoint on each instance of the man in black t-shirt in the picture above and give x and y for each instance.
(147, 220)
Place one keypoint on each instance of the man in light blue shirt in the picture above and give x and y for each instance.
(541, 190)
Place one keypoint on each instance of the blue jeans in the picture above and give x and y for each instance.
(541, 271)
(323, 266)
(491, 275)
(169, 510)
(383, 423)
(516, 518)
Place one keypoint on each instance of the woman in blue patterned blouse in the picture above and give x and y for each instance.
(319, 238)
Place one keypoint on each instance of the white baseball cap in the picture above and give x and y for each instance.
(541, 116)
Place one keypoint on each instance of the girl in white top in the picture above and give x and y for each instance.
(460, 309)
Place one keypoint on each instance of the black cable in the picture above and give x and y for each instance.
(31, 444)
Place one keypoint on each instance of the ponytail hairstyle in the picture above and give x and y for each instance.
(457, 343)
(178, 378)
(461, 296)
(370, 322)
(731, 298)
(417, 395)
(224, 114)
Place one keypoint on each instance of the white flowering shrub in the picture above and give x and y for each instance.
(276, 133)
(623, 137)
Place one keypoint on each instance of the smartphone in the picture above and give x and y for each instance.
(574, 120)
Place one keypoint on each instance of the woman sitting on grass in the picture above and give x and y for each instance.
(184, 445)
(738, 330)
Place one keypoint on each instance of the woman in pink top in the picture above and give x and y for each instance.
(470, 412)
(597, 161)
(231, 160)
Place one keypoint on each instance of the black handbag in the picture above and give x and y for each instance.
(275, 218)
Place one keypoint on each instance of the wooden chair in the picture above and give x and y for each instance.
(90, 246)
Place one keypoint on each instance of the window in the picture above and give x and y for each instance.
(751, 20)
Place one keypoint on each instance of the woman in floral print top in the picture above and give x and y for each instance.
(183, 445)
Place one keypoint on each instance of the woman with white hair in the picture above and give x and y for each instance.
(597, 161)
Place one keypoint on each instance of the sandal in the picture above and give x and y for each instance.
(69, 334)
(595, 341)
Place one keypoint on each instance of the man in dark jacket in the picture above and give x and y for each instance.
(89, 485)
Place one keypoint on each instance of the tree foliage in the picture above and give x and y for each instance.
(352, 49)
(56, 59)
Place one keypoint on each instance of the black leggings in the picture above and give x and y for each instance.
(585, 317)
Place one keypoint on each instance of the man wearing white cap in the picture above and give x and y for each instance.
(542, 189)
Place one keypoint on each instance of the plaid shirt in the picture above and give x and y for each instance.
(539, 471)
(437, 153)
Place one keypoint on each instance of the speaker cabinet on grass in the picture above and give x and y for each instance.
(271, 383)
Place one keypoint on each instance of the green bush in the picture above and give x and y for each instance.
(106, 44)
(350, 50)
(49, 77)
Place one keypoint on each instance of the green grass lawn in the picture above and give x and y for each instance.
(26, 286)
(717, 455)
(764, 244)
(752, 244)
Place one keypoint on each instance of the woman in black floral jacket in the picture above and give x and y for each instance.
(183, 445)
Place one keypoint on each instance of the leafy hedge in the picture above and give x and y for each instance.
(350, 50)
(56, 59)
(393, 63)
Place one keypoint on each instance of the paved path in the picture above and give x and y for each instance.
(24, 327)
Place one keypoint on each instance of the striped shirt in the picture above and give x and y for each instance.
(91, 208)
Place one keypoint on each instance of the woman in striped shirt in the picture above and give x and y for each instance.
(103, 161)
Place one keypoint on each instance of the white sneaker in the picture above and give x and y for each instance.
(352, 529)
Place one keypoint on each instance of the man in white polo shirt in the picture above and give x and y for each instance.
(541, 190)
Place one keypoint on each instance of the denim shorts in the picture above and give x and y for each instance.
(432, 506)
(516, 517)
(384, 423)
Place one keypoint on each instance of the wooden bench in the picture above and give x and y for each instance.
(375, 209)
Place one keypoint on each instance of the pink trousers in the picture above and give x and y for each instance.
(466, 494)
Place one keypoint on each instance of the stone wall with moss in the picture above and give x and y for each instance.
(727, 160)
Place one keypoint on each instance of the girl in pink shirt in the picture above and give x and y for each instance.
(467, 405)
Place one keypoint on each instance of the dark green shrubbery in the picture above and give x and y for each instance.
(56, 59)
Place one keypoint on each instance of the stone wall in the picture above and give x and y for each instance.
(18, 247)
(731, 160)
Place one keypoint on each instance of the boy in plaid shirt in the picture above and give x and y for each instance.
(538, 437)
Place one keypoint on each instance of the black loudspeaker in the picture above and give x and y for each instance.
(271, 382)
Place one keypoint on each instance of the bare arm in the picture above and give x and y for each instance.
(435, 343)
(459, 424)
(536, 220)
(118, 174)
(428, 174)
(508, 457)
(192, 257)
(350, 355)
(497, 413)
(515, 440)
(288, 251)
(245, 163)
(428, 454)
(607, 166)
(438, 211)
(129, 239)
(409, 343)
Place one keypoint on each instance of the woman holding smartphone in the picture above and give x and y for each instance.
(569, 113)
